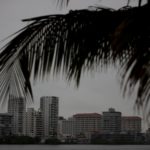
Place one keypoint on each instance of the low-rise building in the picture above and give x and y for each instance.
(131, 124)
(5, 124)
(87, 123)
(67, 127)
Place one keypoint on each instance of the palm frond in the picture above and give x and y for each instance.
(78, 41)
(62, 3)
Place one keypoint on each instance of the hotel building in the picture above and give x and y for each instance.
(87, 123)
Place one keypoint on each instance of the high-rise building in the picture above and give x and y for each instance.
(87, 123)
(17, 108)
(131, 124)
(38, 129)
(31, 122)
(49, 112)
(5, 124)
(111, 121)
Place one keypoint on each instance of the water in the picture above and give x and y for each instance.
(74, 147)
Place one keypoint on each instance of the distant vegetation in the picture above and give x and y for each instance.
(19, 140)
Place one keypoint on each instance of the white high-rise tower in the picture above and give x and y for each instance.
(49, 112)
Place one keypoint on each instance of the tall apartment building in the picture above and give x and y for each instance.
(49, 112)
(87, 123)
(38, 128)
(131, 124)
(111, 121)
(31, 122)
(5, 124)
(17, 108)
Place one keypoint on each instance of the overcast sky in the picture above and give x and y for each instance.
(97, 91)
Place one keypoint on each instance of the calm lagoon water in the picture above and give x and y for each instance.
(74, 147)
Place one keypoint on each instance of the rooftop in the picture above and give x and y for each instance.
(87, 115)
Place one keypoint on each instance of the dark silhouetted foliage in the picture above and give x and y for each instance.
(78, 41)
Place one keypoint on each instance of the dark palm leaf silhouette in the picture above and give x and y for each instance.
(62, 2)
(78, 41)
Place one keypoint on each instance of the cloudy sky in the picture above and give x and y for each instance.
(97, 92)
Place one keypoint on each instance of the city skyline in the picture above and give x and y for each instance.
(111, 126)
(25, 120)
(96, 93)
